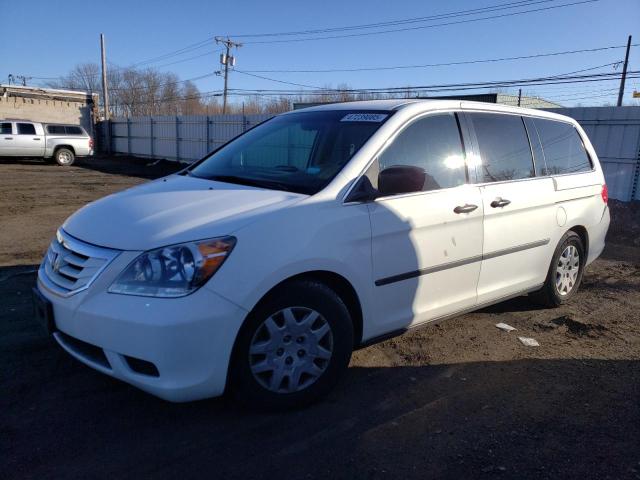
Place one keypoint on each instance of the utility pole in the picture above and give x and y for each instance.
(105, 92)
(227, 60)
(23, 79)
(519, 96)
(624, 72)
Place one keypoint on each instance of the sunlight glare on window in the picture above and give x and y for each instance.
(454, 161)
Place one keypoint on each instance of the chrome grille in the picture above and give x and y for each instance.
(71, 265)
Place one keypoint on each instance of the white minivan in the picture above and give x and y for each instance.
(259, 268)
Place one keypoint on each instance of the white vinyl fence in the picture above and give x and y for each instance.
(183, 138)
(614, 132)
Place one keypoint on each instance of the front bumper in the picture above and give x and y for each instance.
(188, 340)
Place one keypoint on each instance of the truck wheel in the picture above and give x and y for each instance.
(565, 272)
(293, 348)
(64, 157)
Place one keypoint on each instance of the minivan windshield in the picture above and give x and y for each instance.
(298, 152)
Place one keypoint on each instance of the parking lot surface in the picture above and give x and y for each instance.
(460, 399)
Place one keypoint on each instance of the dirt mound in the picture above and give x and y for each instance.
(625, 223)
(572, 327)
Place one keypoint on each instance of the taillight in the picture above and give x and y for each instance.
(605, 193)
(90, 142)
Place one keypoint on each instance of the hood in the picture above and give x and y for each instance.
(172, 210)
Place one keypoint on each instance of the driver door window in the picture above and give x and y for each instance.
(432, 144)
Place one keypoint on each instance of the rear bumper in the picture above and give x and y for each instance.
(177, 349)
(597, 234)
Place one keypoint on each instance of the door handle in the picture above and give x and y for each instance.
(8, 138)
(37, 139)
(467, 208)
(500, 202)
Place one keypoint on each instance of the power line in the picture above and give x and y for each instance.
(588, 97)
(280, 81)
(579, 93)
(447, 64)
(405, 29)
(164, 84)
(421, 88)
(552, 80)
(188, 48)
(335, 90)
(590, 68)
(458, 13)
(328, 90)
(555, 79)
(121, 69)
(190, 58)
(211, 74)
(397, 67)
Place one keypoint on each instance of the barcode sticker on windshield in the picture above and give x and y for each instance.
(364, 117)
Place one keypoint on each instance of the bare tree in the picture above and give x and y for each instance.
(191, 104)
(136, 92)
(84, 76)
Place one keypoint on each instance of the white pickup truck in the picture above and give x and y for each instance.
(63, 143)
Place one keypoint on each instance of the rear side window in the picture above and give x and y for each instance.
(55, 129)
(562, 148)
(5, 128)
(504, 147)
(434, 145)
(64, 130)
(26, 129)
(73, 130)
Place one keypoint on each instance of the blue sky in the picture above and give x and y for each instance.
(47, 38)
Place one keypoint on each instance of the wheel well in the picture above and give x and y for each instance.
(68, 147)
(584, 236)
(338, 284)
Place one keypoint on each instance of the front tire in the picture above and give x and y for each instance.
(64, 157)
(293, 347)
(565, 272)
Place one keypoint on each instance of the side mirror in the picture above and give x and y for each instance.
(401, 179)
(363, 191)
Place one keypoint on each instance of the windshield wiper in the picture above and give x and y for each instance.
(286, 168)
(250, 182)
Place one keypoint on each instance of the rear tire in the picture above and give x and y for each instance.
(565, 272)
(293, 348)
(64, 157)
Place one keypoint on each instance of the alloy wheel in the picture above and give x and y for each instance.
(64, 158)
(567, 270)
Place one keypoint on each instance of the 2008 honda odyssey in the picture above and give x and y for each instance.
(261, 267)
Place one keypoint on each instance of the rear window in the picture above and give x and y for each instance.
(5, 128)
(26, 129)
(73, 130)
(64, 130)
(562, 148)
(55, 129)
(504, 147)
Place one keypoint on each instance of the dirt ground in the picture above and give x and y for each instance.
(461, 399)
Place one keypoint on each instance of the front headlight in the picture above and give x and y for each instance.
(173, 271)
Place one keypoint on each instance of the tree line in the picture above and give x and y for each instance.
(142, 92)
